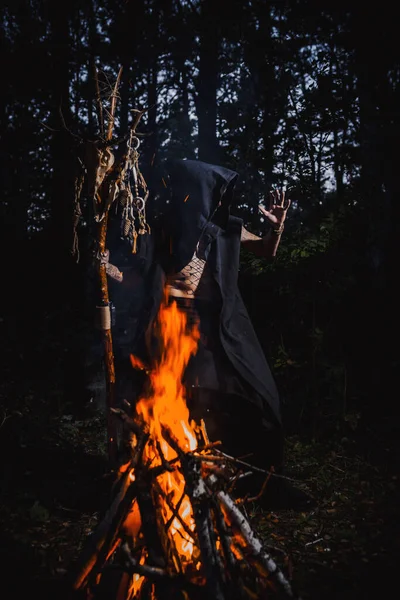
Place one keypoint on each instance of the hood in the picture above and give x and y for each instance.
(197, 192)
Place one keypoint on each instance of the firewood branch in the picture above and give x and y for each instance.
(242, 463)
(175, 511)
(131, 424)
(253, 543)
(146, 570)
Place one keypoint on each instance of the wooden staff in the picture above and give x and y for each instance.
(105, 308)
(104, 296)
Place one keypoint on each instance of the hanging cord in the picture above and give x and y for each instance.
(134, 194)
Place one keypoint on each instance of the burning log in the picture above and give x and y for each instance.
(173, 530)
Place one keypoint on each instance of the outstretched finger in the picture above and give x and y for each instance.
(264, 210)
(287, 204)
(271, 199)
(279, 197)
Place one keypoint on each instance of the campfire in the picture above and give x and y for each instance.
(174, 529)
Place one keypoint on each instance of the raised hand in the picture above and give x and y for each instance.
(277, 210)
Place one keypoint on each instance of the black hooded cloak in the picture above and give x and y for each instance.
(190, 201)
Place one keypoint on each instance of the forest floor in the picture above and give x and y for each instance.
(54, 484)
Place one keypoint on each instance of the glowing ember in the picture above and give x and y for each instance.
(137, 363)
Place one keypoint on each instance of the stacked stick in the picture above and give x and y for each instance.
(134, 537)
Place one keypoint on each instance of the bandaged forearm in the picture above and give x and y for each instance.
(114, 273)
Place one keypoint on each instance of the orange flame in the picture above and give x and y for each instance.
(167, 405)
(166, 408)
(137, 363)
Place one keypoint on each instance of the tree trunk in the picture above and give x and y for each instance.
(152, 65)
(61, 150)
(268, 94)
(126, 95)
(184, 124)
(65, 287)
(206, 101)
(93, 108)
(151, 142)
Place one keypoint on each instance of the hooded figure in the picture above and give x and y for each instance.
(229, 383)
(194, 248)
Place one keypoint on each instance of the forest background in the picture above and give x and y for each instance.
(288, 93)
